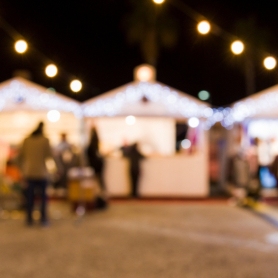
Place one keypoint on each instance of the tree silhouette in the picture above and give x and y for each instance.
(151, 28)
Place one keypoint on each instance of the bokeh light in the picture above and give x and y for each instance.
(158, 1)
(237, 47)
(130, 120)
(76, 85)
(145, 73)
(21, 46)
(193, 122)
(185, 144)
(204, 95)
(53, 116)
(270, 63)
(51, 70)
(203, 27)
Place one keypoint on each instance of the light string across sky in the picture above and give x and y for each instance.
(204, 27)
(227, 116)
(21, 47)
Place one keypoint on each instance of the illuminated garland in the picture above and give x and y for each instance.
(17, 95)
(176, 104)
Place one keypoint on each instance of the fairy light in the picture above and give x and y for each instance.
(21, 46)
(237, 47)
(203, 27)
(51, 70)
(17, 93)
(76, 85)
(176, 104)
(269, 63)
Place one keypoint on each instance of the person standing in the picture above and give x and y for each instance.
(33, 155)
(95, 159)
(134, 156)
(66, 158)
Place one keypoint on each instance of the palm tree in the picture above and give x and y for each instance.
(148, 26)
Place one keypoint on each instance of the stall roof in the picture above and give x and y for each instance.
(263, 104)
(21, 94)
(145, 99)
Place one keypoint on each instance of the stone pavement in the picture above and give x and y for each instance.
(141, 239)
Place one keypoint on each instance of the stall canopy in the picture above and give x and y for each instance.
(146, 97)
(260, 105)
(21, 94)
(157, 109)
(24, 103)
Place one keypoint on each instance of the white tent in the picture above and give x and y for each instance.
(23, 104)
(260, 105)
(154, 110)
(156, 107)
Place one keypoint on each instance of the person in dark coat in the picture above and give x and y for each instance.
(134, 156)
(33, 154)
(95, 159)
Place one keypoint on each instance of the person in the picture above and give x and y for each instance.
(95, 159)
(65, 158)
(134, 156)
(33, 155)
(273, 168)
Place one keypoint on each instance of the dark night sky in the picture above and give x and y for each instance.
(86, 39)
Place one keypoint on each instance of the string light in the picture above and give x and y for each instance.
(270, 63)
(237, 47)
(76, 85)
(203, 27)
(176, 104)
(158, 1)
(21, 46)
(51, 70)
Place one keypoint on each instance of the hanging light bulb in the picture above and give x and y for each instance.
(158, 1)
(51, 70)
(237, 47)
(203, 27)
(270, 63)
(76, 85)
(20, 46)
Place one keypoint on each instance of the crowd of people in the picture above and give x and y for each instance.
(255, 167)
(38, 164)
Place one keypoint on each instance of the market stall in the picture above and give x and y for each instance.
(255, 121)
(23, 104)
(147, 112)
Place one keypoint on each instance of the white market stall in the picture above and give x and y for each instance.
(23, 104)
(253, 117)
(146, 111)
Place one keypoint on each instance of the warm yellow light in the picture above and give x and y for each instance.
(76, 85)
(51, 70)
(270, 63)
(203, 27)
(237, 47)
(158, 1)
(145, 73)
(20, 46)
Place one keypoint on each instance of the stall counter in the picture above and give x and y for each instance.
(173, 176)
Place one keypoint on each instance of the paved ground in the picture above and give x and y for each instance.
(141, 239)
